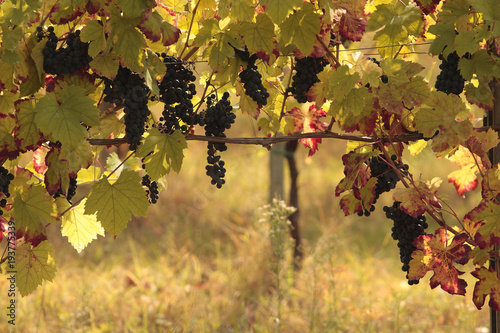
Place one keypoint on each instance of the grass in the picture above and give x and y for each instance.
(202, 262)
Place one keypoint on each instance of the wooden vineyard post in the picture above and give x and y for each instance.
(276, 187)
(493, 119)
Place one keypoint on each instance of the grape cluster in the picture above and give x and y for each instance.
(5, 178)
(384, 78)
(66, 59)
(128, 88)
(387, 178)
(449, 79)
(306, 76)
(405, 230)
(151, 188)
(216, 118)
(176, 92)
(252, 81)
(71, 190)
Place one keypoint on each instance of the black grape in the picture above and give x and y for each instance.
(449, 79)
(405, 230)
(129, 89)
(68, 59)
(151, 188)
(176, 92)
(5, 178)
(387, 178)
(306, 76)
(217, 118)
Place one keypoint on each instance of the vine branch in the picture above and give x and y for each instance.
(266, 141)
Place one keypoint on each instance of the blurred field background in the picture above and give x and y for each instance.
(202, 261)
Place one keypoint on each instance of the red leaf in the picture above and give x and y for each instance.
(436, 253)
(488, 284)
(488, 234)
(308, 122)
(350, 204)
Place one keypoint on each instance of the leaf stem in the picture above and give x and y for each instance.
(329, 52)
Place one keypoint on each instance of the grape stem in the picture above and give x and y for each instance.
(328, 51)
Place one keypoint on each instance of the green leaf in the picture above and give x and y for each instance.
(156, 29)
(34, 266)
(11, 37)
(93, 32)
(278, 10)
(243, 10)
(129, 42)
(61, 115)
(115, 203)
(490, 10)
(301, 29)
(441, 113)
(209, 29)
(33, 207)
(106, 66)
(480, 95)
(259, 36)
(132, 8)
(154, 68)
(167, 152)
(480, 64)
(80, 228)
(222, 49)
(28, 130)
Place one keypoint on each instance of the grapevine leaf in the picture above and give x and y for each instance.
(34, 265)
(8, 142)
(28, 130)
(80, 228)
(115, 203)
(368, 192)
(243, 10)
(109, 125)
(57, 174)
(93, 32)
(133, 8)
(153, 69)
(488, 234)
(11, 37)
(490, 10)
(482, 95)
(301, 28)
(105, 65)
(394, 23)
(81, 157)
(438, 253)
(440, 113)
(349, 20)
(209, 29)
(464, 179)
(350, 204)
(247, 104)
(278, 10)
(61, 115)
(490, 186)
(128, 41)
(166, 152)
(355, 170)
(155, 28)
(259, 36)
(308, 122)
(30, 208)
(488, 284)
(480, 64)
(222, 49)
(413, 199)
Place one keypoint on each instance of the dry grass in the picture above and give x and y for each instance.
(202, 262)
